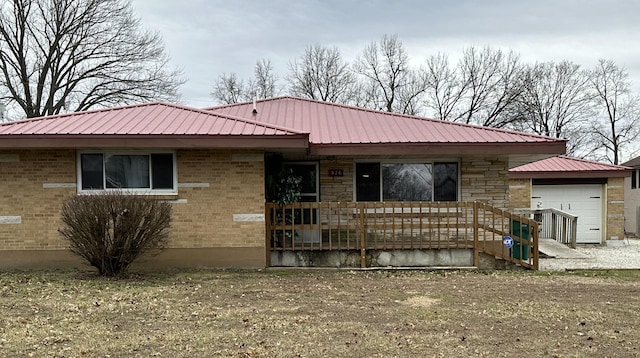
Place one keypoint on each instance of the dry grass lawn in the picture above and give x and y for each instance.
(320, 314)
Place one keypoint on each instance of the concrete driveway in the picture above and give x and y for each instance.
(616, 254)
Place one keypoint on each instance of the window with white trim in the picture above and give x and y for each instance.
(153, 172)
(406, 181)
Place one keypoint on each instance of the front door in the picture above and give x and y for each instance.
(309, 192)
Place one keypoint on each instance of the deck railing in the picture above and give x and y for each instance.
(400, 226)
(555, 224)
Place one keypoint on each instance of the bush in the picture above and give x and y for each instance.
(111, 230)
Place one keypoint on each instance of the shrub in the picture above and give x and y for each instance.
(110, 230)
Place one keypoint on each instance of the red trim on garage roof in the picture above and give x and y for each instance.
(565, 167)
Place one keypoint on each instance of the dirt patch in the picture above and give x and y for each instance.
(421, 301)
(321, 313)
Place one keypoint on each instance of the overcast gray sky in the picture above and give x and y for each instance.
(208, 37)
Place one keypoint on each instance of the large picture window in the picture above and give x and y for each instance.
(146, 172)
(406, 181)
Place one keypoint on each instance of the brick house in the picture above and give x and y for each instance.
(211, 165)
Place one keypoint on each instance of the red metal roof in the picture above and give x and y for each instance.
(152, 120)
(284, 122)
(563, 167)
(336, 125)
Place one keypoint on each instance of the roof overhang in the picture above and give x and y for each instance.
(634, 163)
(545, 148)
(300, 141)
(571, 174)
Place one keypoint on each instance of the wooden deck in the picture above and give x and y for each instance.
(400, 226)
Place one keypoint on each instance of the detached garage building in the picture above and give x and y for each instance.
(592, 191)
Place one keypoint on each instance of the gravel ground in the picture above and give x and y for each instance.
(623, 254)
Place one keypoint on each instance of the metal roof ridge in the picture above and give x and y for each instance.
(244, 103)
(241, 119)
(393, 114)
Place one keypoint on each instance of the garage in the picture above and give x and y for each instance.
(592, 191)
(582, 200)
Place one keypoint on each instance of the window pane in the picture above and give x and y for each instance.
(407, 182)
(445, 181)
(162, 170)
(91, 168)
(634, 179)
(127, 171)
(367, 181)
(308, 174)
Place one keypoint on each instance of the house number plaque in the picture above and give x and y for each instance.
(336, 172)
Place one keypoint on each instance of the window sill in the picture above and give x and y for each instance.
(130, 192)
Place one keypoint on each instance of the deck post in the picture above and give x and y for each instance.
(535, 236)
(574, 231)
(476, 243)
(363, 238)
(267, 234)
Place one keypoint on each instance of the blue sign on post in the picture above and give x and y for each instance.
(507, 241)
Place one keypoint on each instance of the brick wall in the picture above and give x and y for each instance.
(337, 188)
(519, 193)
(615, 208)
(220, 200)
(485, 179)
(33, 184)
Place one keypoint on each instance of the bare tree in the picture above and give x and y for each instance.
(445, 87)
(618, 125)
(321, 74)
(410, 96)
(489, 78)
(264, 84)
(229, 89)
(385, 65)
(71, 55)
(482, 89)
(556, 101)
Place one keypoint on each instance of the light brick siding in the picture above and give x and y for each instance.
(235, 187)
(615, 208)
(22, 194)
(337, 188)
(519, 193)
(219, 185)
(485, 179)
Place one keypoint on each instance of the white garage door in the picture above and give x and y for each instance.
(581, 200)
